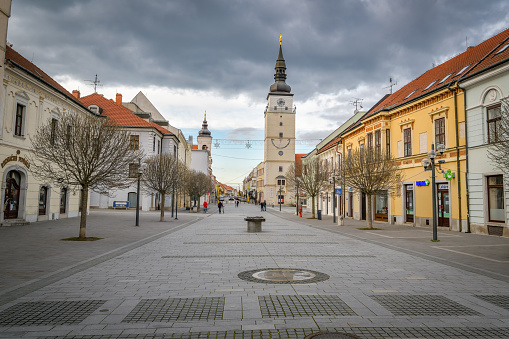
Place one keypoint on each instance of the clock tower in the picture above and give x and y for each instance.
(279, 142)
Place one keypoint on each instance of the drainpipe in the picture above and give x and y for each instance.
(466, 149)
(458, 167)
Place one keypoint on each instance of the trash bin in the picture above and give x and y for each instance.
(319, 214)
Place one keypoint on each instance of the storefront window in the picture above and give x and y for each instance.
(496, 198)
(382, 207)
(43, 193)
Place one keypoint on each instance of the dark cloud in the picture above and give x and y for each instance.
(231, 46)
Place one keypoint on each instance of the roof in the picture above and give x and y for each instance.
(146, 106)
(121, 115)
(21, 62)
(195, 146)
(472, 61)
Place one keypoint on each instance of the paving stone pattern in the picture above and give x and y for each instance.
(499, 300)
(186, 285)
(361, 332)
(176, 309)
(422, 305)
(48, 313)
(301, 306)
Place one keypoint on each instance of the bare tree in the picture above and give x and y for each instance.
(197, 184)
(371, 171)
(161, 174)
(314, 177)
(83, 151)
(498, 152)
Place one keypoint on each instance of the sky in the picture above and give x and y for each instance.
(216, 56)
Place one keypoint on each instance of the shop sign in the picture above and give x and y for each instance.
(16, 157)
(409, 187)
(422, 183)
(443, 186)
(337, 191)
(448, 175)
(121, 204)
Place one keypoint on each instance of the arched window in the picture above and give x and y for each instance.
(12, 193)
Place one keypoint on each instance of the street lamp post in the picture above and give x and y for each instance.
(429, 165)
(334, 197)
(138, 195)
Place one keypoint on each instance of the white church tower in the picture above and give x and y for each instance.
(279, 142)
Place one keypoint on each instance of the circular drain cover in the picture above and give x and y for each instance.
(283, 276)
(335, 335)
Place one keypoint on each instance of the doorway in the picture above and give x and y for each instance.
(12, 192)
(443, 205)
(131, 197)
(63, 200)
(350, 204)
(409, 203)
(43, 197)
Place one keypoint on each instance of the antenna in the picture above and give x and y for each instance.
(357, 102)
(391, 84)
(96, 82)
(466, 41)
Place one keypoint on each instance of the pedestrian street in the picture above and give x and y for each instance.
(213, 279)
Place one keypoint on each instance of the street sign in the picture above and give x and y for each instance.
(337, 191)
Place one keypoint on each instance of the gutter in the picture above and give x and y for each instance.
(458, 166)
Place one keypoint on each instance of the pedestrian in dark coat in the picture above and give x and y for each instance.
(220, 206)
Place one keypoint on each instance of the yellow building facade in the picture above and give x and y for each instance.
(409, 131)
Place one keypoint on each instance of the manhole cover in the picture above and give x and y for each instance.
(283, 276)
(335, 335)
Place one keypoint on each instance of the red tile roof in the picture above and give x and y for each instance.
(19, 61)
(330, 144)
(474, 60)
(195, 146)
(121, 115)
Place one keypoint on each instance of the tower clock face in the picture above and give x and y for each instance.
(281, 102)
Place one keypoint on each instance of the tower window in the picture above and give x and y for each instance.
(280, 134)
(280, 168)
(281, 124)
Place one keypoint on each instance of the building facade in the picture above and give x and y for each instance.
(31, 98)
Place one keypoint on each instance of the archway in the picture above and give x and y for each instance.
(12, 194)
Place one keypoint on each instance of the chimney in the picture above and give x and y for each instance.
(119, 99)
(76, 93)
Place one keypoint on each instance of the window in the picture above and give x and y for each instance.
(280, 168)
(407, 142)
(388, 142)
(378, 141)
(53, 130)
(20, 114)
(440, 131)
(281, 123)
(43, 195)
(281, 182)
(154, 145)
(280, 134)
(409, 95)
(135, 142)
(133, 170)
(174, 151)
(493, 122)
(445, 78)
(63, 200)
(496, 211)
(158, 146)
(370, 140)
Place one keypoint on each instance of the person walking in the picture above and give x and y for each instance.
(219, 206)
(205, 205)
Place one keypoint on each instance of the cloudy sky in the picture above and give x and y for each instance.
(192, 56)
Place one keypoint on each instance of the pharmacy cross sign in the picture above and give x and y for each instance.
(448, 175)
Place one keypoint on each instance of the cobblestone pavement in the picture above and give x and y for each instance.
(185, 282)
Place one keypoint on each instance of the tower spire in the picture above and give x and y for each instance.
(280, 75)
(204, 127)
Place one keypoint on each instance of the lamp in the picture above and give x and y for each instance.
(429, 165)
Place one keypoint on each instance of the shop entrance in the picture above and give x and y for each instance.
(443, 205)
(11, 199)
(382, 207)
(409, 203)
(350, 204)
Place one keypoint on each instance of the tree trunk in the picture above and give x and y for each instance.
(83, 218)
(313, 207)
(369, 220)
(163, 196)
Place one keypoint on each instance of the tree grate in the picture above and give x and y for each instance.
(422, 305)
(176, 309)
(303, 306)
(48, 313)
(498, 300)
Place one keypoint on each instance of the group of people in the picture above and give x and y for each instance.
(220, 206)
(263, 206)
